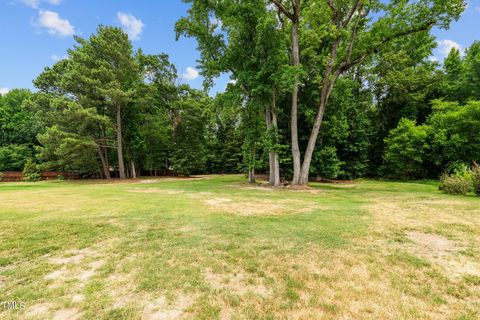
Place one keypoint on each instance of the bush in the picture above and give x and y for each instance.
(60, 177)
(30, 172)
(461, 170)
(476, 181)
(455, 185)
(1, 176)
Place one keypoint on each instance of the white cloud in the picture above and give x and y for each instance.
(445, 46)
(54, 24)
(36, 3)
(132, 26)
(56, 57)
(190, 74)
(4, 91)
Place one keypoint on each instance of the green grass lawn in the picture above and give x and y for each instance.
(217, 248)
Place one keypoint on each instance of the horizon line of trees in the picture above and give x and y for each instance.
(322, 89)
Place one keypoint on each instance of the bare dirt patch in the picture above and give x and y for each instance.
(443, 252)
(238, 283)
(66, 314)
(304, 189)
(37, 310)
(77, 298)
(56, 275)
(161, 309)
(73, 256)
(155, 190)
(261, 188)
(93, 267)
(218, 201)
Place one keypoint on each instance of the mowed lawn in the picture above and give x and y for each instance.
(215, 247)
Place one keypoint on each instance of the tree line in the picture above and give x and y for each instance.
(328, 89)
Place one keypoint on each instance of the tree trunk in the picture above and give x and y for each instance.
(104, 160)
(276, 163)
(325, 95)
(294, 105)
(274, 167)
(134, 173)
(121, 165)
(251, 175)
(271, 153)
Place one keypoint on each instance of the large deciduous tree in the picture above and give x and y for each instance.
(243, 39)
(338, 35)
(18, 130)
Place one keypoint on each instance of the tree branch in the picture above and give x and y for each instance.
(284, 10)
(375, 49)
(352, 12)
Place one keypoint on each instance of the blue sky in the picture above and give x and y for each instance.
(36, 33)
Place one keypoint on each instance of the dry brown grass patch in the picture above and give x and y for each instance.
(161, 309)
(155, 190)
(248, 207)
(443, 252)
(238, 283)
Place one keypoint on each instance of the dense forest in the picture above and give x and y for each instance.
(319, 89)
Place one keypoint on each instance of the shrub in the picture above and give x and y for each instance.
(60, 177)
(476, 180)
(455, 185)
(461, 170)
(1, 176)
(30, 172)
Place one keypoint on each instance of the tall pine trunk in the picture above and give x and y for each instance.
(103, 158)
(121, 165)
(134, 172)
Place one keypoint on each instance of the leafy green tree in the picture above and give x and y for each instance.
(30, 172)
(406, 150)
(455, 132)
(224, 140)
(14, 156)
(342, 35)
(189, 155)
(472, 71)
(454, 83)
(242, 38)
(18, 130)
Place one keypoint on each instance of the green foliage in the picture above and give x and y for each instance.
(30, 171)
(18, 128)
(189, 155)
(455, 129)
(453, 184)
(460, 169)
(476, 180)
(13, 157)
(327, 163)
(406, 150)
